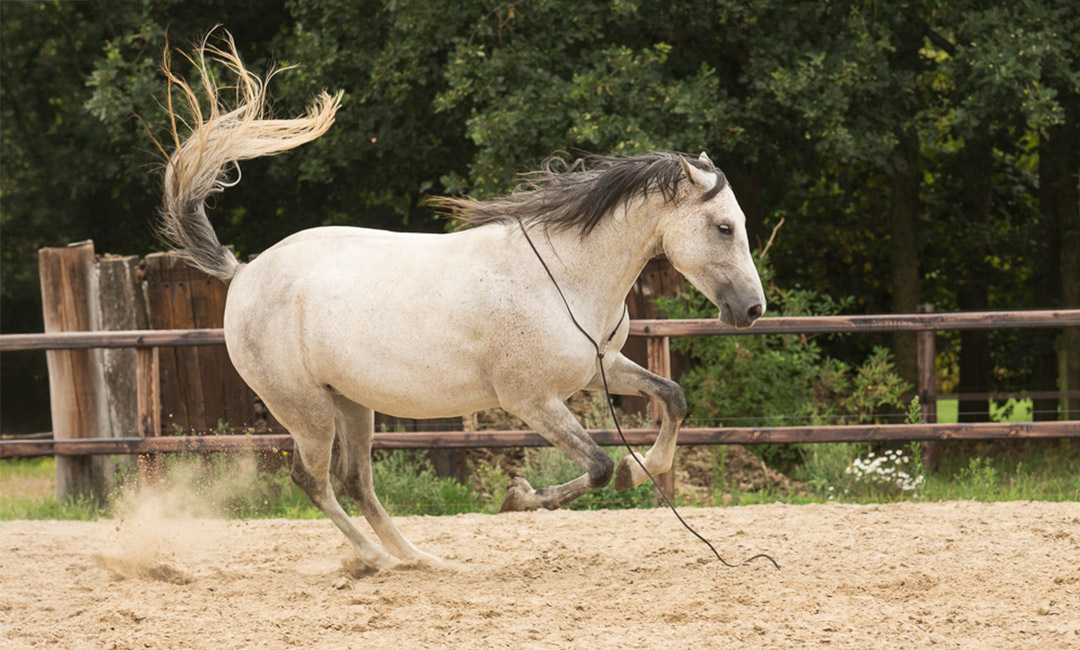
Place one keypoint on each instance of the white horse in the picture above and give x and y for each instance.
(334, 323)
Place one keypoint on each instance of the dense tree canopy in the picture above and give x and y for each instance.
(919, 151)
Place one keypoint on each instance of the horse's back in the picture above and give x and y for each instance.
(400, 322)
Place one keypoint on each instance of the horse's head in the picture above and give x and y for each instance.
(704, 237)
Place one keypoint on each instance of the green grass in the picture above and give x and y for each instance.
(231, 487)
(27, 487)
(1011, 410)
(1037, 470)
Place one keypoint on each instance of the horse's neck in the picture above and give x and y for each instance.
(601, 268)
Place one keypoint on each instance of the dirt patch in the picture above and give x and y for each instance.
(126, 567)
(965, 575)
(699, 470)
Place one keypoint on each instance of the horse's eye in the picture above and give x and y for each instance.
(725, 229)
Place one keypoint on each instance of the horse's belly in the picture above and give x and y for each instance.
(408, 330)
(422, 406)
(395, 370)
(409, 385)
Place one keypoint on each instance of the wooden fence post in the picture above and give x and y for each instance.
(199, 386)
(927, 389)
(660, 363)
(658, 279)
(148, 380)
(122, 308)
(77, 397)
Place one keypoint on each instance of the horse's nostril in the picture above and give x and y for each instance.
(754, 312)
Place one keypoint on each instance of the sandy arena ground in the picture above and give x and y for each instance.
(950, 575)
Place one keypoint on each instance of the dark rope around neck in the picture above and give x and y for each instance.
(600, 351)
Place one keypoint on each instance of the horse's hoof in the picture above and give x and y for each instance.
(357, 567)
(430, 561)
(423, 560)
(625, 473)
(519, 496)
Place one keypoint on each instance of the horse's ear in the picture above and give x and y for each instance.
(704, 157)
(699, 177)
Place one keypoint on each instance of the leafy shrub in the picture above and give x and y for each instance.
(980, 476)
(407, 485)
(775, 380)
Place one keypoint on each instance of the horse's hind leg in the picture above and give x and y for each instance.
(312, 428)
(628, 378)
(558, 425)
(355, 427)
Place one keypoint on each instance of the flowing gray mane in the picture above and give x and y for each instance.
(579, 194)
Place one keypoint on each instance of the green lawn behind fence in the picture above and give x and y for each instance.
(230, 487)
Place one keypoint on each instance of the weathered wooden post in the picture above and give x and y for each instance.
(660, 363)
(122, 308)
(927, 389)
(658, 279)
(199, 386)
(149, 409)
(77, 394)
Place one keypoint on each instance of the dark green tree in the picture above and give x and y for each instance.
(918, 151)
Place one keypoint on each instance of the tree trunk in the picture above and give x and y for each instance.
(1047, 279)
(975, 363)
(904, 249)
(973, 293)
(906, 204)
(1046, 283)
(1059, 200)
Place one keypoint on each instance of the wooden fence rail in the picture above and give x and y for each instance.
(979, 320)
(1050, 318)
(118, 339)
(658, 333)
(604, 437)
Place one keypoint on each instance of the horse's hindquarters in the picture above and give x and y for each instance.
(378, 319)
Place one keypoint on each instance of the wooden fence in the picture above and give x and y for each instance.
(657, 333)
(135, 351)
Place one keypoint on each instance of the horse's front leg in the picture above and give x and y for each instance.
(551, 419)
(625, 377)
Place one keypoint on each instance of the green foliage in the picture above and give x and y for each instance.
(491, 484)
(780, 379)
(405, 482)
(224, 486)
(27, 492)
(981, 475)
(407, 485)
(1011, 410)
(82, 509)
(805, 104)
(549, 466)
(824, 465)
(914, 412)
(863, 471)
(1046, 471)
(231, 486)
(887, 472)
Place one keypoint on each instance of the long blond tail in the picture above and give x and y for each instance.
(200, 165)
